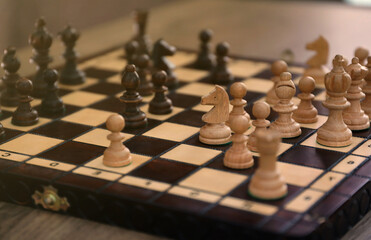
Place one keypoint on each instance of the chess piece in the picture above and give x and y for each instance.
(24, 115)
(285, 124)
(131, 49)
(239, 156)
(205, 58)
(134, 117)
(277, 68)
(160, 104)
(238, 91)
(41, 40)
(220, 74)
(52, 104)
(306, 112)
(10, 64)
(70, 74)
(316, 63)
(366, 103)
(362, 54)
(144, 42)
(145, 86)
(261, 111)
(116, 155)
(354, 117)
(215, 132)
(334, 132)
(161, 49)
(267, 183)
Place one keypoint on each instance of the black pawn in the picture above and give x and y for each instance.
(70, 75)
(134, 117)
(221, 74)
(160, 104)
(11, 64)
(41, 40)
(131, 49)
(205, 59)
(25, 115)
(51, 103)
(145, 86)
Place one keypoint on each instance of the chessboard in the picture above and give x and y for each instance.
(177, 186)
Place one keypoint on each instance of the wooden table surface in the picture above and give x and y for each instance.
(253, 28)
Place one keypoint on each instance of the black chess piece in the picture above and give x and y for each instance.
(205, 58)
(144, 42)
(161, 49)
(70, 74)
(134, 117)
(25, 115)
(41, 40)
(131, 49)
(52, 104)
(160, 104)
(11, 64)
(220, 73)
(145, 86)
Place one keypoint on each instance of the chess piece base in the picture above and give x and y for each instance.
(267, 186)
(120, 159)
(160, 108)
(333, 138)
(287, 130)
(215, 134)
(238, 160)
(360, 123)
(136, 121)
(72, 78)
(28, 119)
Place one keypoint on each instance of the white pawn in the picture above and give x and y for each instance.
(238, 91)
(116, 155)
(261, 111)
(306, 112)
(239, 156)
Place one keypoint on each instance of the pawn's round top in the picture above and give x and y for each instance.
(307, 84)
(10, 51)
(205, 35)
(131, 47)
(239, 124)
(50, 75)
(142, 61)
(130, 78)
(222, 49)
(261, 110)
(159, 78)
(115, 123)
(69, 34)
(361, 53)
(40, 22)
(279, 67)
(238, 90)
(10, 62)
(24, 86)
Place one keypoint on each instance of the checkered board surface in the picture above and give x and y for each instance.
(171, 169)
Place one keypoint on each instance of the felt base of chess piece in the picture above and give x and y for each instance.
(317, 73)
(215, 134)
(72, 76)
(116, 155)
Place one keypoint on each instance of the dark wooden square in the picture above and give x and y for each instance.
(61, 129)
(111, 104)
(183, 101)
(196, 142)
(69, 110)
(105, 88)
(189, 118)
(164, 170)
(305, 132)
(9, 134)
(5, 114)
(148, 146)
(73, 152)
(94, 72)
(217, 163)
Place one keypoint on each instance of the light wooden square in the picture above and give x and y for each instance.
(297, 70)
(258, 85)
(7, 123)
(298, 175)
(194, 194)
(327, 181)
(172, 131)
(304, 200)
(348, 164)
(196, 89)
(137, 161)
(116, 79)
(191, 154)
(282, 148)
(312, 142)
(13, 156)
(88, 116)
(364, 149)
(321, 120)
(115, 64)
(162, 117)
(145, 183)
(181, 58)
(98, 137)
(33, 103)
(82, 99)
(245, 68)
(250, 206)
(109, 176)
(190, 75)
(88, 82)
(51, 164)
(212, 180)
(30, 144)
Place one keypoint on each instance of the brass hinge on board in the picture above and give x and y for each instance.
(50, 199)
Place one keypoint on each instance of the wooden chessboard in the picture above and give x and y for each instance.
(177, 186)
